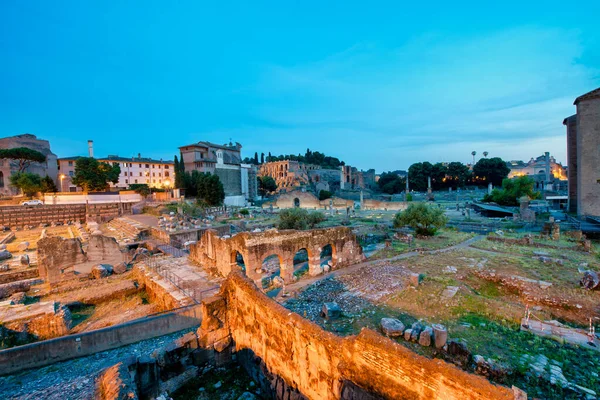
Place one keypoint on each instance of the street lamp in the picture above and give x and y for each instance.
(167, 184)
(62, 177)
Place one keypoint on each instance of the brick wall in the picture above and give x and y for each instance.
(588, 157)
(319, 364)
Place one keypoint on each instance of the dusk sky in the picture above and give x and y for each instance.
(378, 85)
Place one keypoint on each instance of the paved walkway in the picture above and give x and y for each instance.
(296, 286)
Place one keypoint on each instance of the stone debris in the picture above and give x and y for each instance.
(278, 281)
(24, 259)
(101, 271)
(392, 327)
(450, 269)
(23, 246)
(449, 292)
(120, 268)
(331, 310)
(5, 255)
(458, 348)
(18, 298)
(4, 268)
(407, 334)
(491, 368)
(425, 337)
(590, 280)
(440, 335)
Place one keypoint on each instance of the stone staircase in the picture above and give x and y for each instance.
(126, 228)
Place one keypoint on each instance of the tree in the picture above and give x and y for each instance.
(418, 174)
(27, 182)
(23, 155)
(391, 183)
(325, 194)
(299, 218)
(92, 175)
(490, 170)
(207, 188)
(179, 170)
(512, 190)
(141, 188)
(438, 176)
(425, 219)
(47, 185)
(255, 158)
(266, 184)
(262, 158)
(457, 174)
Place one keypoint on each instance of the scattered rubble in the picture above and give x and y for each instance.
(590, 280)
(331, 310)
(392, 327)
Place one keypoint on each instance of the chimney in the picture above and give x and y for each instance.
(90, 148)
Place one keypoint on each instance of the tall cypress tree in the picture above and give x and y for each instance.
(262, 158)
(256, 158)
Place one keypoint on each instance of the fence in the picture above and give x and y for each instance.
(155, 263)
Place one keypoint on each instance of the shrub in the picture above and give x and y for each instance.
(244, 211)
(423, 218)
(325, 194)
(298, 218)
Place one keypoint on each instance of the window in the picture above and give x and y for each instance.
(140, 174)
(136, 181)
(166, 174)
(153, 174)
(70, 163)
(166, 167)
(126, 180)
(140, 165)
(71, 173)
(147, 165)
(159, 175)
(153, 165)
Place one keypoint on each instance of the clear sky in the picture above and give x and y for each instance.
(378, 84)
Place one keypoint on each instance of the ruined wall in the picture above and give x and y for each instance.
(56, 254)
(50, 351)
(20, 216)
(305, 199)
(319, 364)
(218, 253)
(370, 204)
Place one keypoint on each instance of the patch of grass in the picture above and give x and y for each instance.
(81, 313)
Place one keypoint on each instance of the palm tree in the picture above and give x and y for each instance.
(485, 154)
(473, 153)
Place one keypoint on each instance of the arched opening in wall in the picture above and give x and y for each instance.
(271, 267)
(1, 179)
(238, 259)
(327, 255)
(296, 202)
(301, 262)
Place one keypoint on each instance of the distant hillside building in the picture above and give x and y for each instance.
(583, 148)
(288, 174)
(9, 167)
(545, 171)
(225, 161)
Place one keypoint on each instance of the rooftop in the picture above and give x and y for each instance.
(230, 146)
(594, 94)
(123, 159)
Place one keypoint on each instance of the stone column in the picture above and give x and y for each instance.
(490, 188)
(286, 269)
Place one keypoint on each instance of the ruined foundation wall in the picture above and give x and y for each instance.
(319, 363)
(157, 293)
(55, 254)
(370, 204)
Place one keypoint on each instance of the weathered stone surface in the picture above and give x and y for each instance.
(414, 279)
(55, 254)
(392, 327)
(4, 268)
(24, 260)
(120, 268)
(5, 255)
(407, 334)
(23, 246)
(18, 298)
(425, 337)
(590, 280)
(460, 352)
(331, 310)
(101, 271)
(278, 281)
(491, 368)
(440, 335)
(115, 383)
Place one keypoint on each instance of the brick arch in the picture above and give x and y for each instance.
(213, 251)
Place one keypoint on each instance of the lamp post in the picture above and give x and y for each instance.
(62, 177)
(167, 184)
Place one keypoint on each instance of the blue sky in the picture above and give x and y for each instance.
(377, 84)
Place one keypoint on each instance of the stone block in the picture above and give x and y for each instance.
(425, 337)
(120, 268)
(5, 255)
(101, 271)
(23, 246)
(440, 335)
(24, 259)
(392, 327)
(407, 334)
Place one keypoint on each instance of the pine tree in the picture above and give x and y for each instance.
(255, 158)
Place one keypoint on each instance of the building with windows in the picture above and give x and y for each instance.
(225, 161)
(135, 170)
(9, 167)
(547, 173)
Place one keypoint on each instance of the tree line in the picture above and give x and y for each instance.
(443, 176)
(309, 157)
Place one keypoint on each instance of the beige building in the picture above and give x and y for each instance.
(135, 170)
(545, 171)
(288, 174)
(9, 167)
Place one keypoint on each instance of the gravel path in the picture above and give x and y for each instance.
(74, 379)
